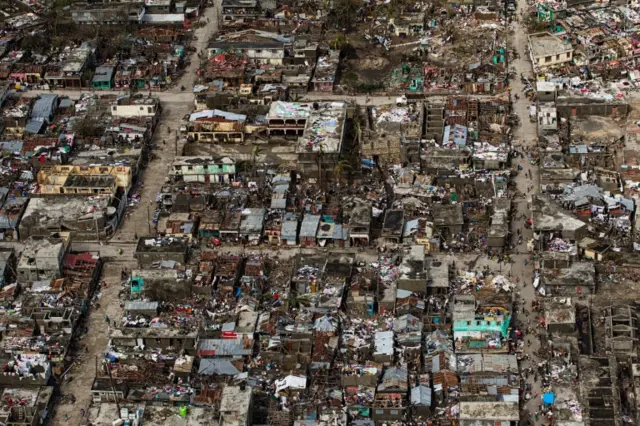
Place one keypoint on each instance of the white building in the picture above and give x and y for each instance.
(547, 50)
(262, 47)
(136, 106)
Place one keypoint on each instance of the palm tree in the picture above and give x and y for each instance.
(339, 41)
(340, 167)
(255, 153)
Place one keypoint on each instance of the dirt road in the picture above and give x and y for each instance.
(95, 341)
(97, 338)
(138, 222)
(526, 136)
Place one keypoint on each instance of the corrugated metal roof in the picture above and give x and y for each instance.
(309, 226)
(66, 103)
(140, 306)
(252, 220)
(421, 395)
(289, 229)
(435, 364)
(395, 373)
(279, 201)
(224, 347)
(34, 126)
(493, 363)
(11, 146)
(104, 73)
(211, 366)
(44, 107)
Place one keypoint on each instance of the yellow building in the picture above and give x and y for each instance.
(84, 180)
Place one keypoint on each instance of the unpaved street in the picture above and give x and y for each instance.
(137, 224)
(95, 341)
(83, 372)
(526, 138)
(176, 104)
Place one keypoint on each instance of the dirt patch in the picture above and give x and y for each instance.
(370, 63)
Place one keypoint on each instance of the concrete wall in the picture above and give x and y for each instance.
(581, 109)
(562, 58)
(146, 259)
(417, 285)
(564, 290)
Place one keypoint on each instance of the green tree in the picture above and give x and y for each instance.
(255, 153)
(88, 127)
(345, 13)
(340, 167)
(350, 79)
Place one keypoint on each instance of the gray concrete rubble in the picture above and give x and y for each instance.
(267, 213)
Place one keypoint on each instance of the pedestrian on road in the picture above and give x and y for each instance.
(107, 320)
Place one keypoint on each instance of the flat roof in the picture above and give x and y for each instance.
(324, 130)
(548, 216)
(167, 244)
(235, 399)
(413, 266)
(545, 44)
(288, 110)
(106, 413)
(53, 212)
(578, 274)
(487, 363)
(449, 214)
(472, 410)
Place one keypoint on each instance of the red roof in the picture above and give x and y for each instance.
(73, 261)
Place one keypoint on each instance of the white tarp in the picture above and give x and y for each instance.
(291, 382)
(163, 17)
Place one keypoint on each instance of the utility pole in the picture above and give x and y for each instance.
(149, 219)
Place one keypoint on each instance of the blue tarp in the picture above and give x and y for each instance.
(548, 398)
